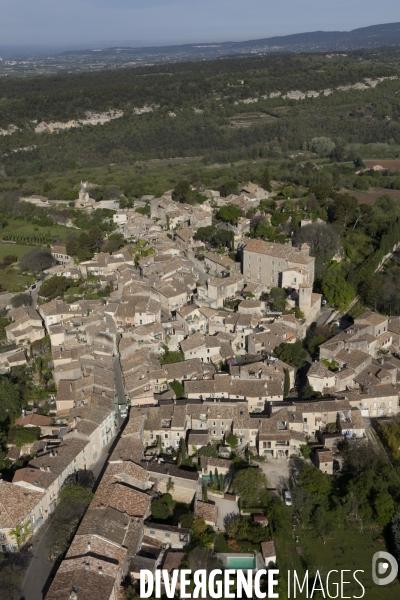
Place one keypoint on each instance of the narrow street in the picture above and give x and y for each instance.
(42, 570)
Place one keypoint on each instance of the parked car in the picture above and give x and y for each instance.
(296, 477)
(323, 301)
(287, 496)
(336, 466)
(123, 411)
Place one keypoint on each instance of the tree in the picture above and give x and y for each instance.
(36, 260)
(230, 213)
(343, 209)
(286, 385)
(170, 485)
(395, 529)
(53, 287)
(72, 503)
(232, 440)
(314, 343)
(205, 234)
(336, 289)
(322, 239)
(177, 388)
(321, 145)
(11, 578)
(21, 300)
(252, 487)
(288, 191)
(159, 509)
(292, 354)
(264, 230)
(181, 191)
(384, 508)
(265, 180)
(228, 188)
(305, 450)
(313, 481)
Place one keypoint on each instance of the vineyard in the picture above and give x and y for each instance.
(35, 239)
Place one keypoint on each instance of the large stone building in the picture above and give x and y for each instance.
(267, 263)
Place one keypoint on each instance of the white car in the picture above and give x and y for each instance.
(287, 496)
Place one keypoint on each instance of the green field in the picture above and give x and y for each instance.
(12, 281)
(17, 250)
(346, 548)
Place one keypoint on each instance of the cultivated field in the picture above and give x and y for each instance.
(394, 165)
(371, 195)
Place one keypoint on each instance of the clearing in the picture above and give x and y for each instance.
(346, 548)
(18, 250)
(245, 120)
(394, 165)
(371, 195)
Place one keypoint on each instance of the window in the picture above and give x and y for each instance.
(213, 423)
(177, 435)
(166, 436)
(167, 535)
(214, 433)
(152, 532)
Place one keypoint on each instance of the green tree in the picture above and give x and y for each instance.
(336, 289)
(177, 388)
(292, 354)
(160, 509)
(384, 508)
(264, 230)
(286, 385)
(314, 481)
(182, 191)
(230, 213)
(265, 180)
(72, 503)
(314, 343)
(288, 192)
(305, 450)
(343, 210)
(252, 487)
(232, 440)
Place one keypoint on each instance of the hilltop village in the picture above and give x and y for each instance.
(174, 377)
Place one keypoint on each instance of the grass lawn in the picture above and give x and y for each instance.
(20, 227)
(14, 281)
(220, 544)
(345, 549)
(17, 250)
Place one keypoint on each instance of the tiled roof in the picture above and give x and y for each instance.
(16, 503)
(208, 512)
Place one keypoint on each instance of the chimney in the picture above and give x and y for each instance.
(48, 469)
(88, 547)
(100, 570)
(73, 595)
(87, 566)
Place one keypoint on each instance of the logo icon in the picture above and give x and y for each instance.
(381, 561)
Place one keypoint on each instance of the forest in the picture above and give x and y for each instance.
(194, 109)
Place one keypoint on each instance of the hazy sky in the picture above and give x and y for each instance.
(42, 22)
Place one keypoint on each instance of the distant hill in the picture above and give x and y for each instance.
(316, 41)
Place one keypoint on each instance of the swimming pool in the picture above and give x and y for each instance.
(241, 562)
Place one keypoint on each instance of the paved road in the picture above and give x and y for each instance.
(119, 382)
(42, 570)
(34, 294)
